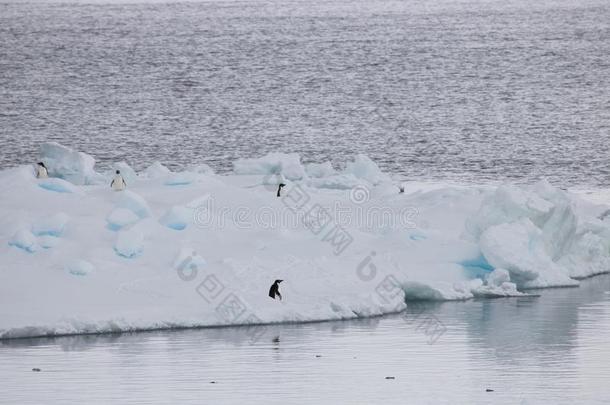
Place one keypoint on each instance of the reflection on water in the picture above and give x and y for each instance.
(548, 349)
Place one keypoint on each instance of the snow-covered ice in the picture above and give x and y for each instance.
(120, 218)
(129, 243)
(80, 268)
(53, 225)
(65, 163)
(205, 253)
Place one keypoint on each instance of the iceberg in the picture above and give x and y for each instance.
(154, 269)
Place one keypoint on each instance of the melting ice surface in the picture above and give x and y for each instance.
(204, 253)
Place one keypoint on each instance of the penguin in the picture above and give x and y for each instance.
(279, 188)
(41, 171)
(401, 189)
(118, 183)
(275, 289)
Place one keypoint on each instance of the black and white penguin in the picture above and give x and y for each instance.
(41, 171)
(279, 188)
(275, 289)
(118, 183)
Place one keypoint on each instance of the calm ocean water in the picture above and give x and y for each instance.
(466, 90)
(553, 349)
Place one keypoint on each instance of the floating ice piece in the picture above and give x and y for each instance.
(79, 268)
(120, 218)
(497, 284)
(155, 171)
(287, 164)
(24, 239)
(133, 202)
(65, 163)
(58, 186)
(129, 243)
(319, 170)
(52, 226)
(364, 168)
(177, 218)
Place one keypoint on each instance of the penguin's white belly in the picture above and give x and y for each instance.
(42, 173)
(118, 184)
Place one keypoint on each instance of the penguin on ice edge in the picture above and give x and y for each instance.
(41, 171)
(275, 289)
(279, 188)
(118, 183)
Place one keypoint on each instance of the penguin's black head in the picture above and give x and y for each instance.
(282, 185)
(41, 164)
(118, 172)
(278, 281)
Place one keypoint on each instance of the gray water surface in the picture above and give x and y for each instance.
(467, 90)
(554, 349)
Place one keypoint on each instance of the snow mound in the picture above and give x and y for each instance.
(364, 168)
(120, 218)
(287, 164)
(155, 171)
(337, 182)
(52, 226)
(24, 239)
(48, 241)
(181, 179)
(319, 170)
(80, 268)
(58, 186)
(65, 163)
(134, 203)
(129, 243)
(177, 218)
(188, 260)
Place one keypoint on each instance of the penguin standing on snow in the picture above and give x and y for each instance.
(41, 171)
(275, 289)
(118, 183)
(279, 188)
